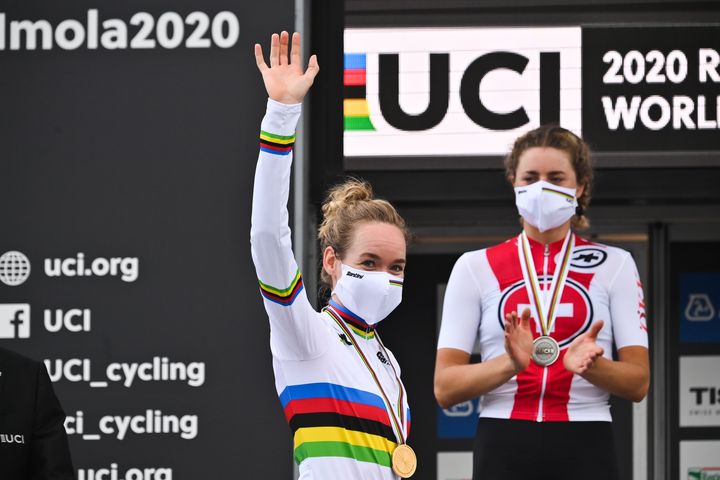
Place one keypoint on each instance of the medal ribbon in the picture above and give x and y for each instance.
(401, 425)
(546, 310)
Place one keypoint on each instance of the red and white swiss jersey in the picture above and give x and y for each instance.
(602, 284)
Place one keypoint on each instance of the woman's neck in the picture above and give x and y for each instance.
(335, 299)
(548, 236)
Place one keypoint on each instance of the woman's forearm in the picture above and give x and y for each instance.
(628, 377)
(456, 383)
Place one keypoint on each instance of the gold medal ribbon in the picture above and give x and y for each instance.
(399, 425)
(546, 309)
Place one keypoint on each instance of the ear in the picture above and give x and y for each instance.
(579, 191)
(329, 262)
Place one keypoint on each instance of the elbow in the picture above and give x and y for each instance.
(442, 395)
(442, 399)
(261, 232)
(637, 397)
(640, 394)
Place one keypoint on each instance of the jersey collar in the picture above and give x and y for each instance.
(357, 324)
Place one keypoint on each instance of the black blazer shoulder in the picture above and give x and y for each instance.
(33, 442)
(16, 361)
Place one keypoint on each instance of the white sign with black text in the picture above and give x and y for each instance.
(699, 391)
(457, 91)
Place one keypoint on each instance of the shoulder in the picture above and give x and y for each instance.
(469, 264)
(581, 242)
(473, 257)
(486, 267)
(590, 255)
(506, 249)
(15, 361)
(603, 250)
(502, 253)
(509, 246)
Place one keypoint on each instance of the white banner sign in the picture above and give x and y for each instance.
(457, 91)
(699, 460)
(454, 465)
(700, 392)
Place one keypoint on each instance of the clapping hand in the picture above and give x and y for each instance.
(518, 339)
(584, 350)
(284, 79)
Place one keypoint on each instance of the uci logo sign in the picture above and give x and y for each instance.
(472, 103)
(474, 90)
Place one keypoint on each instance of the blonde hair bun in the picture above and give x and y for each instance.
(344, 195)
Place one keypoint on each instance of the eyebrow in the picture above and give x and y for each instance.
(377, 257)
(553, 172)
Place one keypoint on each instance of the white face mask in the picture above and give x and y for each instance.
(545, 206)
(369, 295)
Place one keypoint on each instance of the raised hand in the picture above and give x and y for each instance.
(584, 350)
(518, 339)
(284, 79)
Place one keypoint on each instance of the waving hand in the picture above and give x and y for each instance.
(284, 79)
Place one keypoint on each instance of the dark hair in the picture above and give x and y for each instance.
(562, 139)
(347, 205)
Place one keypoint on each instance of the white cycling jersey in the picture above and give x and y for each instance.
(338, 415)
(602, 284)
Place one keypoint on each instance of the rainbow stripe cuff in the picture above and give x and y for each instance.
(276, 144)
(284, 297)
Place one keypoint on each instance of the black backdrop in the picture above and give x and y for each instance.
(145, 154)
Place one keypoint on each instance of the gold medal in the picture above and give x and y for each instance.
(404, 461)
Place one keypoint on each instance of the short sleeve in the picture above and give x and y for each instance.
(462, 307)
(627, 306)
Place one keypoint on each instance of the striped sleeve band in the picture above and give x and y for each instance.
(276, 144)
(284, 297)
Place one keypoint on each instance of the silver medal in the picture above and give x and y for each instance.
(545, 351)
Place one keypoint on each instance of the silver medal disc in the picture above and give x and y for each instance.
(545, 351)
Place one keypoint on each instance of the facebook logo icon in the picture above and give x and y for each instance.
(14, 320)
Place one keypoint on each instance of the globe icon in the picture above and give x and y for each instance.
(14, 268)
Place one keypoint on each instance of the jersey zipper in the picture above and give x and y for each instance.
(545, 267)
(542, 395)
(545, 370)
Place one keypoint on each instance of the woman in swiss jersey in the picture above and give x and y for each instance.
(339, 386)
(547, 373)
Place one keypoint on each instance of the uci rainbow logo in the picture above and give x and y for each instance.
(356, 111)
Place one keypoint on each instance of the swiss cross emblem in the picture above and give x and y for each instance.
(574, 311)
